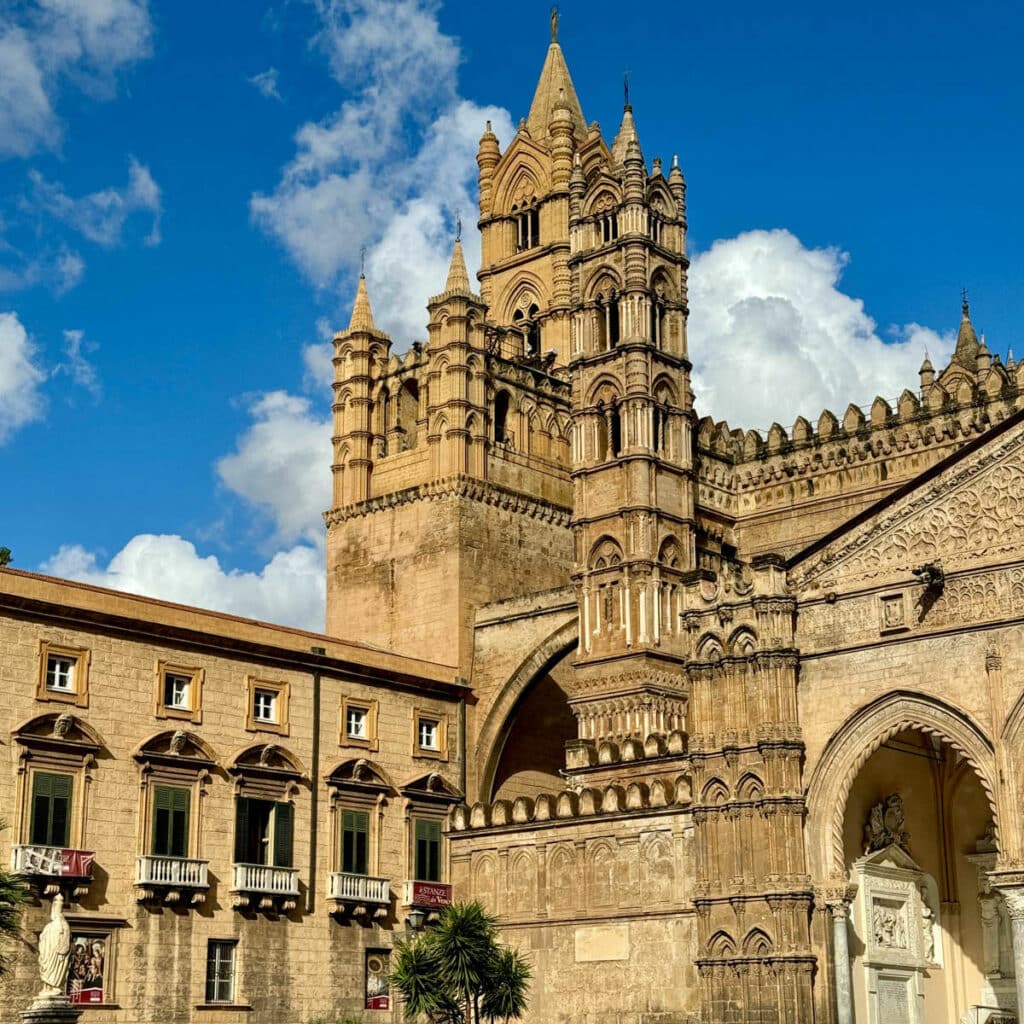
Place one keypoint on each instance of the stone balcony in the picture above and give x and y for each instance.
(171, 879)
(53, 868)
(360, 895)
(262, 887)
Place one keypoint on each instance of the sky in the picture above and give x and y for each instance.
(186, 188)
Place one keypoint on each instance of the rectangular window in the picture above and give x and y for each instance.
(264, 705)
(60, 673)
(177, 691)
(428, 850)
(220, 971)
(264, 832)
(170, 821)
(428, 733)
(356, 723)
(51, 809)
(355, 846)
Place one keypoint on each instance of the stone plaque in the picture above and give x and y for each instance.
(603, 942)
(893, 1001)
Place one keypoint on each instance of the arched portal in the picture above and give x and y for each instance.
(535, 688)
(901, 810)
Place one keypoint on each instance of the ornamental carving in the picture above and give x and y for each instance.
(884, 826)
(972, 512)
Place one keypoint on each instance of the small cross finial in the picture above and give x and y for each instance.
(963, 298)
(625, 86)
(362, 261)
(554, 24)
(458, 226)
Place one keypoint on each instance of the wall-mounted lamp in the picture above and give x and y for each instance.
(416, 918)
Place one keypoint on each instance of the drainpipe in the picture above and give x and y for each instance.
(462, 744)
(314, 797)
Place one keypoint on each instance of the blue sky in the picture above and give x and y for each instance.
(185, 188)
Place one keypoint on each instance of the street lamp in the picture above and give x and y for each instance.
(416, 918)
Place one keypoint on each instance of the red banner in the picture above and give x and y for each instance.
(431, 894)
(378, 1003)
(76, 863)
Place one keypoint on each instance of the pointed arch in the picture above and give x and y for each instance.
(721, 945)
(757, 943)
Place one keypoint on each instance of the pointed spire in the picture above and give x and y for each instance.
(362, 314)
(966, 340)
(458, 276)
(627, 137)
(554, 79)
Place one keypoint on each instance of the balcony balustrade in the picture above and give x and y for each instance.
(171, 878)
(264, 886)
(50, 866)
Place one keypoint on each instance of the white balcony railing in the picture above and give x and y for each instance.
(435, 895)
(261, 878)
(52, 861)
(358, 888)
(176, 872)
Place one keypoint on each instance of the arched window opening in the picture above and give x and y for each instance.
(661, 430)
(615, 432)
(609, 228)
(603, 433)
(655, 227)
(533, 332)
(613, 320)
(408, 413)
(658, 321)
(602, 325)
(501, 432)
(527, 229)
(385, 422)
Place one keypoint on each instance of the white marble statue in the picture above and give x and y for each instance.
(55, 953)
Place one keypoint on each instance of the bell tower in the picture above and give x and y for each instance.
(632, 436)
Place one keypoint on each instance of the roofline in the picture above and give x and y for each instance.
(115, 611)
(904, 489)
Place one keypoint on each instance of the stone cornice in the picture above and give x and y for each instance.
(458, 486)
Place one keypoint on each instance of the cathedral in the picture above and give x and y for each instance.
(724, 727)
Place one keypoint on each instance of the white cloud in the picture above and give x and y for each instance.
(266, 84)
(282, 465)
(103, 216)
(289, 589)
(60, 271)
(391, 168)
(21, 400)
(772, 336)
(43, 44)
(75, 364)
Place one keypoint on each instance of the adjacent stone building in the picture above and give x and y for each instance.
(723, 726)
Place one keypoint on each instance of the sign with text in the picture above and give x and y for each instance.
(430, 894)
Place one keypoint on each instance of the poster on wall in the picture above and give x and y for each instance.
(378, 967)
(87, 969)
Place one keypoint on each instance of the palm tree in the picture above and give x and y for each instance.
(13, 894)
(457, 973)
(509, 981)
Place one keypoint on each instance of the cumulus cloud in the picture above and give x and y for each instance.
(60, 271)
(21, 377)
(75, 363)
(282, 465)
(48, 43)
(289, 589)
(266, 84)
(772, 336)
(103, 216)
(391, 168)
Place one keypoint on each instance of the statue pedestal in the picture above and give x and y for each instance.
(51, 1010)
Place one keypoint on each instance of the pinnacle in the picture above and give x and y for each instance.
(554, 89)
(626, 139)
(362, 314)
(458, 276)
(966, 340)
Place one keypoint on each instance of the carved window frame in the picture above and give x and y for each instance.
(79, 695)
(372, 710)
(440, 753)
(282, 689)
(91, 926)
(428, 798)
(197, 676)
(350, 792)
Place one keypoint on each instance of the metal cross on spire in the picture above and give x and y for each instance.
(625, 86)
(362, 261)
(458, 226)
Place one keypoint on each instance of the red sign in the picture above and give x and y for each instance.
(431, 894)
(76, 863)
(378, 1002)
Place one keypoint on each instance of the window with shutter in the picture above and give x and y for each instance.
(284, 830)
(51, 809)
(355, 834)
(220, 971)
(170, 821)
(428, 850)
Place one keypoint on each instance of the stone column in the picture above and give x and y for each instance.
(838, 904)
(1013, 895)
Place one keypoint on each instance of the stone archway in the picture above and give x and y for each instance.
(857, 739)
(494, 733)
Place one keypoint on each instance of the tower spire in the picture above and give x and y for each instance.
(458, 276)
(554, 77)
(966, 351)
(362, 314)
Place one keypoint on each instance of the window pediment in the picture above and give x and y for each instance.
(431, 786)
(59, 732)
(177, 748)
(360, 774)
(267, 760)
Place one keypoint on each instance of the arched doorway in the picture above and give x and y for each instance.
(902, 815)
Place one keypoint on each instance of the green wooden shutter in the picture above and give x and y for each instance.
(163, 798)
(51, 809)
(284, 829)
(355, 834)
(428, 850)
(241, 830)
(181, 799)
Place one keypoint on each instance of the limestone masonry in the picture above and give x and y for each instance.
(724, 727)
